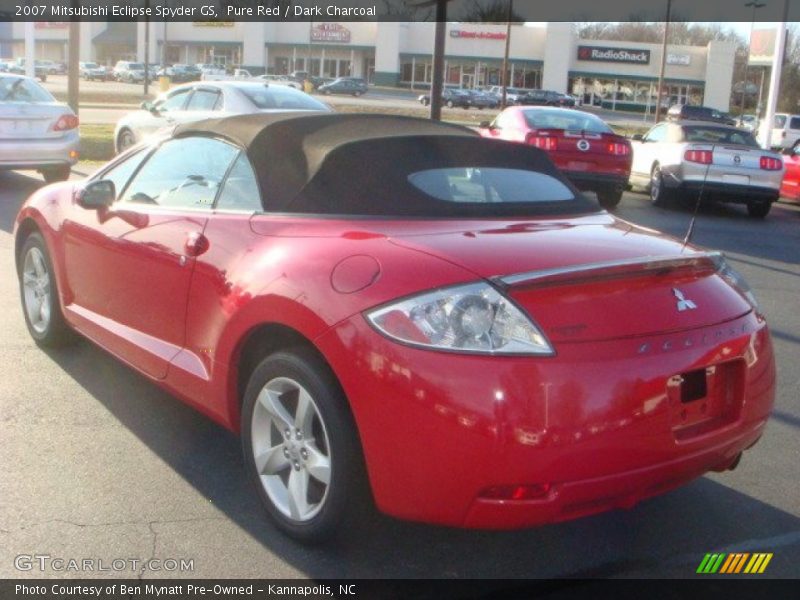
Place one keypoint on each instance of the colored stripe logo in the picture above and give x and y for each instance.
(737, 562)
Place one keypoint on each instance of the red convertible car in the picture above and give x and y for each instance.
(583, 146)
(400, 311)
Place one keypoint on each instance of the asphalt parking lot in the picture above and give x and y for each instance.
(96, 462)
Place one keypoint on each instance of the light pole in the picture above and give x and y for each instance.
(663, 63)
(755, 5)
(504, 98)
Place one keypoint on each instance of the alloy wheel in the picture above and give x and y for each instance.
(36, 290)
(291, 449)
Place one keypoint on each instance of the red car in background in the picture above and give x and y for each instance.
(582, 146)
(790, 187)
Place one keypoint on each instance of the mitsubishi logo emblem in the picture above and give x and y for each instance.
(737, 159)
(683, 303)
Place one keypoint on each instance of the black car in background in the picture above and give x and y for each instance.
(546, 98)
(451, 98)
(480, 99)
(353, 86)
(686, 112)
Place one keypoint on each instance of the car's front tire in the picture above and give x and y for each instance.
(125, 139)
(300, 445)
(659, 194)
(39, 293)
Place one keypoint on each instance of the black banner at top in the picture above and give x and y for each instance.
(394, 10)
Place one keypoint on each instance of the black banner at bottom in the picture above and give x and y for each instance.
(705, 588)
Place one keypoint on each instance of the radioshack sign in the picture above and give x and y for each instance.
(615, 55)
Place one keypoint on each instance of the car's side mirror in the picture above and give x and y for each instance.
(637, 137)
(485, 125)
(97, 194)
(149, 107)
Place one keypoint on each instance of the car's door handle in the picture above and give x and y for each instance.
(196, 243)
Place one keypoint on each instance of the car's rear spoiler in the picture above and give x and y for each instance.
(626, 267)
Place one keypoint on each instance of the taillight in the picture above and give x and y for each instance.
(65, 123)
(618, 149)
(769, 163)
(704, 157)
(544, 142)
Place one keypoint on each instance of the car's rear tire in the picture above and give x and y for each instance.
(609, 199)
(289, 457)
(759, 210)
(125, 139)
(659, 194)
(39, 294)
(55, 174)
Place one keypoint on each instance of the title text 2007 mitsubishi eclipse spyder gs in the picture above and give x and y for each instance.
(399, 311)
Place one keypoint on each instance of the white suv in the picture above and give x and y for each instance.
(785, 131)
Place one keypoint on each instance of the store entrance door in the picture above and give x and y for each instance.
(467, 80)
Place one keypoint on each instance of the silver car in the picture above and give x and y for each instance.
(36, 132)
(202, 100)
(686, 157)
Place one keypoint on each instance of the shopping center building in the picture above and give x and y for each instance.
(621, 75)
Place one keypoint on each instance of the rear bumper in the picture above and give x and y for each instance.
(34, 154)
(729, 192)
(574, 499)
(597, 427)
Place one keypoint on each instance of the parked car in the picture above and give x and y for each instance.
(91, 71)
(545, 98)
(451, 98)
(682, 112)
(512, 94)
(457, 292)
(724, 162)
(281, 80)
(481, 100)
(344, 85)
(36, 132)
(748, 122)
(18, 68)
(129, 72)
(790, 185)
(785, 131)
(582, 145)
(202, 100)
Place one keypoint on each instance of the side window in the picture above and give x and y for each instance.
(174, 102)
(121, 173)
(240, 190)
(205, 100)
(657, 134)
(182, 173)
(794, 123)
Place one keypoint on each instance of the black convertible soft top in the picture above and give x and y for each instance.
(358, 164)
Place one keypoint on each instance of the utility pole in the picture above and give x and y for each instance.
(146, 50)
(754, 4)
(504, 98)
(765, 132)
(438, 60)
(30, 49)
(73, 64)
(663, 62)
